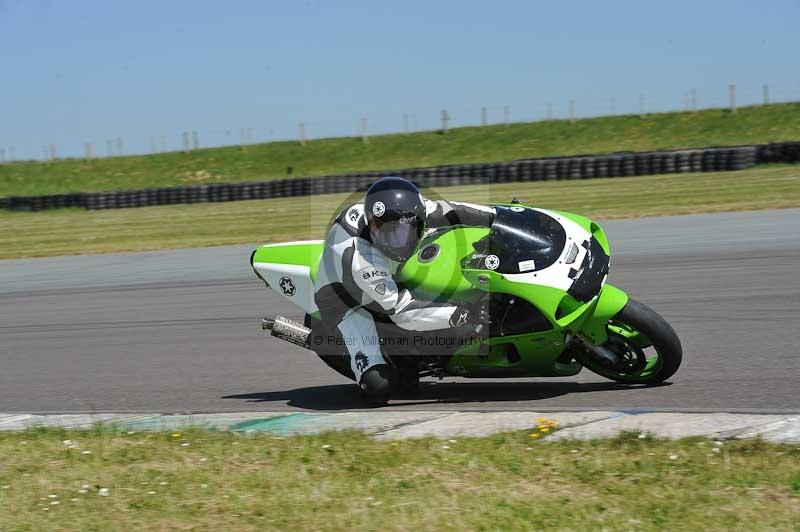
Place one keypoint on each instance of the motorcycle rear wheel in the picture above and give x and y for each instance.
(340, 364)
(336, 359)
(654, 356)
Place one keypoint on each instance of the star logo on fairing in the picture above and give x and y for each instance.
(287, 286)
(492, 262)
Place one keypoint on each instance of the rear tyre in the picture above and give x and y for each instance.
(340, 364)
(652, 356)
(334, 356)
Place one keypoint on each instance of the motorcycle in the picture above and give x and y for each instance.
(543, 273)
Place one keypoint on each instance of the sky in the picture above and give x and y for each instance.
(145, 71)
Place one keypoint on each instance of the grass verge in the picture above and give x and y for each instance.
(68, 232)
(53, 479)
(767, 123)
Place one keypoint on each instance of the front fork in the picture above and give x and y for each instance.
(593, 334)
(611, 301)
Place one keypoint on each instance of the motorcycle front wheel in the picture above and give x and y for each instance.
(649, 349)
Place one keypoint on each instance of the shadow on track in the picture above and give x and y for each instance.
(345, 396)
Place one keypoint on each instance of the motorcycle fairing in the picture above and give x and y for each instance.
(438, 273)
(290, 268)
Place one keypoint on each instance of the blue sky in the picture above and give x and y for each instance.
(89, 71)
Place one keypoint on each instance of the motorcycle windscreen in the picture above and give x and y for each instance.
(522, 240)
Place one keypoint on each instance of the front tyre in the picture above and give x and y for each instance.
(650, 350)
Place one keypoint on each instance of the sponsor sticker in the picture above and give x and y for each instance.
(378, 208)
(353, 215)
(381, 288)
(526, 265)
(516, 209)
(492, 262)
(372, 274)
(361, 361)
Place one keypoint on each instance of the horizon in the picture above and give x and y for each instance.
(146, 74)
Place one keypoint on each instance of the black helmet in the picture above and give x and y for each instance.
(395, 216)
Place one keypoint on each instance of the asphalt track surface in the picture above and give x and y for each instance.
(178, 331)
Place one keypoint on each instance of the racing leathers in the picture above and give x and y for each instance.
(355, 282)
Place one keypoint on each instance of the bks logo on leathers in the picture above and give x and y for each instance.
(373, 274)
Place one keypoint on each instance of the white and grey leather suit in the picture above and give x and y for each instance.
(355, 281)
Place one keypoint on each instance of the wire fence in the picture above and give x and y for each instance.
(731, 97)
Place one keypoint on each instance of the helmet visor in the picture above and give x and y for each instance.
(399, 239)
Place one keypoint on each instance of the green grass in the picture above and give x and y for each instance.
(347, 481)
(768, 123)
(79, 232)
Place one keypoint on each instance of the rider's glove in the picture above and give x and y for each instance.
(477, 314)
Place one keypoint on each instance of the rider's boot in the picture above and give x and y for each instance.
(377, 383)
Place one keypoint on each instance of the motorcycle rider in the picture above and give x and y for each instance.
(364, 248)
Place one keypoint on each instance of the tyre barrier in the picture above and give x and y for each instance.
(778, 152)
(712, 159)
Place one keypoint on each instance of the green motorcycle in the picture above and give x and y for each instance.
(544, 274)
